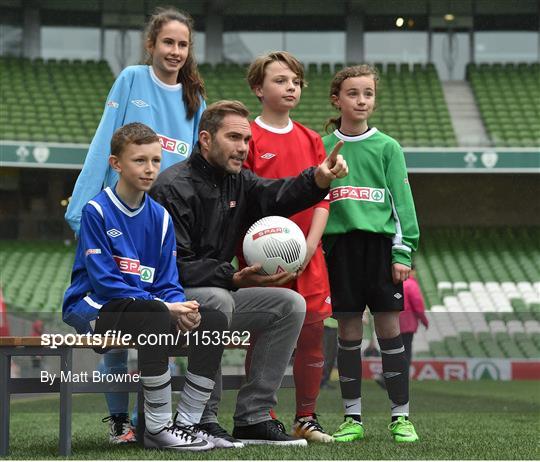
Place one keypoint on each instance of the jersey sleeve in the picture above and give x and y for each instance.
(91, 179)
(407, 233)
(167, 286)
(282, 196)
(321, 156)
(103, 273)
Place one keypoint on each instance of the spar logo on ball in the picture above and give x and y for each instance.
(276, 243)
(266, 232)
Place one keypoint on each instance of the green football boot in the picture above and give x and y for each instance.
(349, 430)
(403, 430)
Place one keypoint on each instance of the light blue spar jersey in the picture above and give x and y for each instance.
(122, 253)
(136, 96)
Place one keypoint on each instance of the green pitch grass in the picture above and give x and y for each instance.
(455, 420)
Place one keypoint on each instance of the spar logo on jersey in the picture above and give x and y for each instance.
(127, 265)
(268, 156)
(175, 146)
(147, 274)
(132, 266)
(356, 193)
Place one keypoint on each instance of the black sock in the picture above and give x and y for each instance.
(395, 370)
(349, 360)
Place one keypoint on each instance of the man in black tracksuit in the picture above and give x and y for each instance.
(212, 202)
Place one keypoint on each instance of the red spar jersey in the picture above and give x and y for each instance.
(283, 152)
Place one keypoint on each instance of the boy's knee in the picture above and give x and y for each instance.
(213, 320)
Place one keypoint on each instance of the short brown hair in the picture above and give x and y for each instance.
(214, 114)
(135, 133)
(256, 70)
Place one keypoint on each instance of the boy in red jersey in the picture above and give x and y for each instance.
(280, 148)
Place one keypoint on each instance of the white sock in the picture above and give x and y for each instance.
(352, 406)
(400, 409)
(157, 401)
(193, 398)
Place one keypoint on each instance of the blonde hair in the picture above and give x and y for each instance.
(361, 70)
(192, 83)
(256, 70)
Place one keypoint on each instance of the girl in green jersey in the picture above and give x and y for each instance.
(371, 234)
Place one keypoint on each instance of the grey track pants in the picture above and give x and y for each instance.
(277, 316)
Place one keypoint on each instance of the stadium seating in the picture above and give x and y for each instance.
(508, 98)
(62, 101)
(410, 104)
(54, 100)
(482, 289)
(35, 275)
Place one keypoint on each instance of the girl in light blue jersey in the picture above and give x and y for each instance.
(167, 94)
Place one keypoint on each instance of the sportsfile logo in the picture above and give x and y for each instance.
(131, 266)
(265, 232)
(356, 193)
(175, 146)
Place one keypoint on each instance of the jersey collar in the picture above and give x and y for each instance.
(279, 131)
(123, 207)
(361, 137)
(161, 84)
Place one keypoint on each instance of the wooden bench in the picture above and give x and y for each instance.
(31, 346)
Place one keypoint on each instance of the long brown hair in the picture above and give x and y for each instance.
(346, 73)
(188, 76)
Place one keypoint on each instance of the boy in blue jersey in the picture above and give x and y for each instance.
(125, 279)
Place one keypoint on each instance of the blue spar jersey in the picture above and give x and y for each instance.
(136, 96)
(122, 253)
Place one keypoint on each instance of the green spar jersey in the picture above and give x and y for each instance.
(375, 196)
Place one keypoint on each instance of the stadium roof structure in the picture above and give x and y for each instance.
(287, 15)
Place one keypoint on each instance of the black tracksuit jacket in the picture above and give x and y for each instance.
(211, 211)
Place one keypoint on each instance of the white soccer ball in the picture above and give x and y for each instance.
(277, 243)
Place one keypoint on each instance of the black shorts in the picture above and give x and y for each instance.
(360, 272)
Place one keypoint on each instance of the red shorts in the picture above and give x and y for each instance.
(313, 285)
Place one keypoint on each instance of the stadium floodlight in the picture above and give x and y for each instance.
(400, 22)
